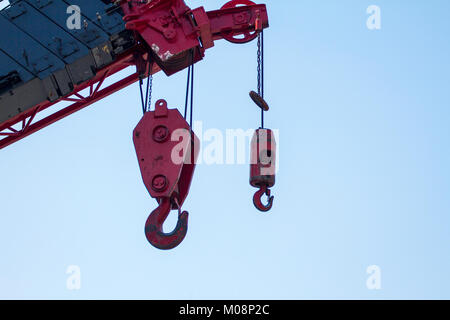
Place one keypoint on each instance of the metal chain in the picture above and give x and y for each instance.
(147, 102)
(149, 90)
(258, 56)
(148, 94)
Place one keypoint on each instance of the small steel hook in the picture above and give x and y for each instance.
(258, 202)
(154, 226)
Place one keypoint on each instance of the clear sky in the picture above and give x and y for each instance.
(364, 173)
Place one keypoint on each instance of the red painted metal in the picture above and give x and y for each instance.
(233, 23)
(172, 30)
(255, 17)
(262, 167)
(167, 150)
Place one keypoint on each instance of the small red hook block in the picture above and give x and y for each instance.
(263, 166)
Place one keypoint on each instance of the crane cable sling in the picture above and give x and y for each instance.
(147, 102)
(142, 96)
(260, 71)
(190, 85)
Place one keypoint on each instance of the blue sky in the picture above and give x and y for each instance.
(364, 172)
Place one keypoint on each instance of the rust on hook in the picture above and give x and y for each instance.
(154, 226)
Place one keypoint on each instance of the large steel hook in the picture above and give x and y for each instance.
(257, 201)
(154, 226)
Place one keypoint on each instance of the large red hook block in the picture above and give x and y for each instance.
(263, 167)
(167, 151)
